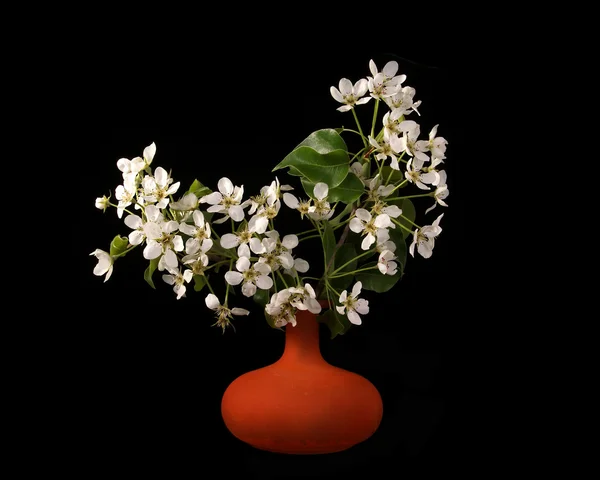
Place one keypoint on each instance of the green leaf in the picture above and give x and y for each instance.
(199, 282)
(198, 189)
(330, 168)
(338, 218)
(397, 175)
(150, 270)
(347, 191)
(376, 281)
(294, 172)
(324, 141)
(262, 297)
(408, 210)
(118, 246)
(397, 237)
(337, 324)
(329, 241)
(345, 254)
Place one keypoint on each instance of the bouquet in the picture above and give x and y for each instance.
(350, 189)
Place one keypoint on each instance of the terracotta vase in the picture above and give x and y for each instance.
(301, 404)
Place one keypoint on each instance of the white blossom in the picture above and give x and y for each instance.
(303, 206)
(409, 140)
(435, 145)
(389, 147)
(226, 201)
(377, 191)
(105, 263)
(130, 167)
(280, 309)
(157, 188)
(386, 263)
(304, 298)
(352, 305)
(364, 222)
(424, 238)
(102, 203)
(441, 192)
(162, 242)
(385, 83)
(149, 153)
(253, 276)
(418, 177)
(198, 259)
(178, 280)
(350, 95)
(242, 239)
(358, 169)
(402, 102)
(260, 221)
(125, 194)
(384, 243)
(197, 232)
(224, 314)
(391, 128)
(186, 203)
(323, 210)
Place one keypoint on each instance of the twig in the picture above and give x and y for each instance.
(337, 246)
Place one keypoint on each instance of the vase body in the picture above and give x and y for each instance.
(301, 404)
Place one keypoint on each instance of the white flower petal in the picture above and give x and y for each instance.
(239, 311)
(212, 301)
(229, 240)
(212, 198)
(356, 289)
(242, 264)
(257, 246)
(367, 241)
(236, 212)
(161, 177)
(234, 278)
(133, 221)
(301, 265)
(382, 221)
(290, 241)
(170, 227)
(345, 87)
(149, 153)
(363, 214)
(136, 237)
(290, 200)
(170, 279)
(393, 211)
(265, 282)
(354, 317)
(198, 217)
(343, 296)
(171, 258)
(321, 191)
(243, 250)
(225, 186)
(248, 289)
(341, 310)
(335, 93)
(153, 250)
(356, 225)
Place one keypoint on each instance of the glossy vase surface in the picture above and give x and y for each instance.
(301, 404)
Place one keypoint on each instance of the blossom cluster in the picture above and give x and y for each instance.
(178, 237)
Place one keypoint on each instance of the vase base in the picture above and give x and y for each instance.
(302, 449)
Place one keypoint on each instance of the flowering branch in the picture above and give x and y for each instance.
(179, 236)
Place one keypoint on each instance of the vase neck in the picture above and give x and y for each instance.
(302, 341)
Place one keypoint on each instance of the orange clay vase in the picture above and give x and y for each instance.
(301, 404)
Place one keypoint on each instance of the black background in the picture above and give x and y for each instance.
(150, 370)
